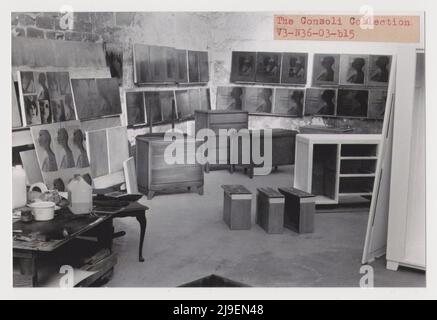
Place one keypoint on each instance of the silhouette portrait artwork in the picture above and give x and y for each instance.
(320, 102)
(358, 76)
(325, 69)
(82, 159)
(67, 157)
(296, 106)
(236, 99)
(379, 70)
(49, 163)
(288, 102)
(265, 96)
(352, 103)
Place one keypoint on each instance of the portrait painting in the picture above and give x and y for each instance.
(325, 69)
(377, 104)
(258, 99)
(289, 102)
(61, 152)
(243, 66)
(320, 102)
(379, 70)
(45, 111)
(268, 67)
(352, 103)
(230, 98)
(135, 108)
(31, 110)
(354, 69)
(294, 68)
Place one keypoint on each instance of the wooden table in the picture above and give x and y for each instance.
(49, 236)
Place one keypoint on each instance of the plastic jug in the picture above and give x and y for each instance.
(80, 195)
(19, 196)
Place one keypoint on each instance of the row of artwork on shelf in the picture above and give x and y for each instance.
(328, 69)
(159, 64)
(160, 105)
(50, 97)
(298, 102)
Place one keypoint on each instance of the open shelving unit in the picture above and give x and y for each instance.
(334, 167)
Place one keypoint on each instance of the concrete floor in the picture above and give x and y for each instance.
(186, 239)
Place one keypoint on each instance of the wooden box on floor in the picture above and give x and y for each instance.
(299, 210)
(216, 120)
(155, 175)
(237, 207)
(270, 210)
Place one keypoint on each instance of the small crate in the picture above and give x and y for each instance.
(270, 210)
(237, 207)
(299, 210)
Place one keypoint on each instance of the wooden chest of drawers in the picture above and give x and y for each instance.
(154, 174)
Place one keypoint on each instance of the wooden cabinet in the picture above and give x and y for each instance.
(154, 174)
(220, 119)
(334, 167)
(283, 148)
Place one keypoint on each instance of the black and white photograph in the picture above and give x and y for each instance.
(352, 103)
(268, 67)
(258, 99)
(289, 102)
(135, 108)
(243, 66)
(325, 69)
(294, 68)
(230, 98)
(353, 70)
(320, 102)
(379, 70)
(377, 104)
(126, 177)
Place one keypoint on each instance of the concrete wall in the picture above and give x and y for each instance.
(219, 33)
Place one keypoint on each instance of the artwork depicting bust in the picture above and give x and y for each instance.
(328, 72)
(245, 66)
(266, 100)
(49, 163)
(327, 104)
(82, 159)
(237, 102)
(297, 99)
(67, 158)
(358, 74)
(381, 74)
